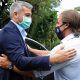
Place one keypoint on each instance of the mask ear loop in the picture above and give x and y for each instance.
(66, 25)
(59, 26)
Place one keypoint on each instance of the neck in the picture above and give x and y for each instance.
(15, 20)
(67, 32)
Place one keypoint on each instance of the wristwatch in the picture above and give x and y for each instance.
(10, 66)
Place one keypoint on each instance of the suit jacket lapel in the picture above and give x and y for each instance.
(20, 36)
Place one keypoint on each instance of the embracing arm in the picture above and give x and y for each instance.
(25, 73)
(38, 52)
(59, 57)
(5, 62)
(15, 51)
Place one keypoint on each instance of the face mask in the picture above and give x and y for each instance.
(25, 24)
(59, 33)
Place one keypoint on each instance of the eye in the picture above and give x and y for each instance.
(28, 15)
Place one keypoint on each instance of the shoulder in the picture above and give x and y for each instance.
(72, 43)
(10, 26)
(9, 32)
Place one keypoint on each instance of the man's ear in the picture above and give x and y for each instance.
(15, 14)
(66, 25)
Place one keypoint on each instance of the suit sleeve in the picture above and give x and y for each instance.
(15, 51)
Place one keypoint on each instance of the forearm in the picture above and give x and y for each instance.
(5, 63)
(39, 52)
(24, 73)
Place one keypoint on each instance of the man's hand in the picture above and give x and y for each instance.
(62, 55)
(4, 61)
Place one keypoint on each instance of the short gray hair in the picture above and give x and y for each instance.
(17, 6)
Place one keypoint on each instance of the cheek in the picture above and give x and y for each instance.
(57, 25)
(61, 28)
(20, 18)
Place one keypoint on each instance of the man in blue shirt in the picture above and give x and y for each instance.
(68, 30)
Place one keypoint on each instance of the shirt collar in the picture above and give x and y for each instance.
(67, 38)
(20, 28)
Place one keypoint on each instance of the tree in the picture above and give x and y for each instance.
(4, 11)
(77, 8)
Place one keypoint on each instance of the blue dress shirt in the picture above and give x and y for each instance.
(68, 70)
(22, 31)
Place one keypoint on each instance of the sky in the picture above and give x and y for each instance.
(68, 4)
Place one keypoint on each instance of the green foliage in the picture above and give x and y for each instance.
(77, 8)
(4, 12)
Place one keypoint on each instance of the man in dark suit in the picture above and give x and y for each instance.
(12, 43)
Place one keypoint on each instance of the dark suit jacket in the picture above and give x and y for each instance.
(12, 44)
